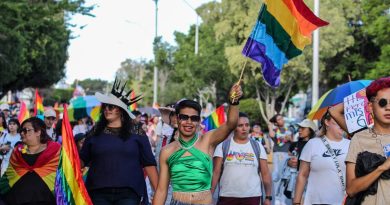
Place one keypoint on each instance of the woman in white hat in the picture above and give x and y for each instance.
(115, 156)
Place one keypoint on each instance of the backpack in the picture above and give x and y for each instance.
(226, 147)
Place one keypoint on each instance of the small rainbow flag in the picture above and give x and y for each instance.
(23, 113)
(69, 185)
(216, 119)
(38, 105)
(282, 30)
(134, 105)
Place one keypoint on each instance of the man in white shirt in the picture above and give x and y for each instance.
(243, 171)
(50, 118)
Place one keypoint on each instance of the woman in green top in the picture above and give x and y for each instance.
(187, 162)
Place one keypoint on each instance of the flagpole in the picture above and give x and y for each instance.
(242, 70)
(316, 42)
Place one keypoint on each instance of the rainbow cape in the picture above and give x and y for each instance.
(23, 113)
(216, 119)
(281, 32)
(69, 186)
(38, 105)
(45, 167)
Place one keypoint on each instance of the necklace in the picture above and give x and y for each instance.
(375, 133)
(40, 149)
(188, 145)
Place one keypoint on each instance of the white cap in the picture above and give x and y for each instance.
(49, 113)
(4, 106)
(308, 123)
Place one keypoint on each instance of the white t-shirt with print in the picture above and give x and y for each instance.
(323, 185)
(240, 176)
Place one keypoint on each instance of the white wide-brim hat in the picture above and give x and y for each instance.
(113, 100)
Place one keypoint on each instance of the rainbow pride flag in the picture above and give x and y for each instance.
(38, 105)
(23, 113)
(282, 30)
(216, 119)
(69, 186)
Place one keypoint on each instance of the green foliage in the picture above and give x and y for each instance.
(33, 41)
(91, 86)
(51, 96)
(250, 106)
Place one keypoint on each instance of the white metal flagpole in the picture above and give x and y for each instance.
(316, 43)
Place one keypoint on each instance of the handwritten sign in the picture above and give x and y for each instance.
(356, 112)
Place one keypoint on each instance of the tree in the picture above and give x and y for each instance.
(91, 85)
(375, 19)
(33, 41)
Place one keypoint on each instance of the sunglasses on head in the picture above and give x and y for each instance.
(25, 130)
(194, 118)
(109, 106)
(382, 102)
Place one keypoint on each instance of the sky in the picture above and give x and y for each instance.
(123, 29)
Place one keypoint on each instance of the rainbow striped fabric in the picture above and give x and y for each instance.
(23, 113)
(69, 186)
(134, 105)
(282, 30)
(38, 106)
(216, 119)
(45, 166)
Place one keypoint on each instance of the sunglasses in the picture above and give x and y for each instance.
(25, 130)
(110, 107)
(194, 118)
(382, 102)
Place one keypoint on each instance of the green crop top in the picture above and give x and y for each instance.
(190, 173)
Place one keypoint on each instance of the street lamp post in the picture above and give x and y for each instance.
(196, 27)
(155, 70)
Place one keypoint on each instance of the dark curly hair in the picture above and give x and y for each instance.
(40, 125)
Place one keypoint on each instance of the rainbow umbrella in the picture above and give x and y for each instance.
(335, 96)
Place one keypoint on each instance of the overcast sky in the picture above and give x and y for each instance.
(123, 29)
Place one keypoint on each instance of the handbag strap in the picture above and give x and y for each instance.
(336, 162)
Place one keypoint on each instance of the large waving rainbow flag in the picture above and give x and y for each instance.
(216, 119)
(38, 105)
(69, 186)
(282, 30)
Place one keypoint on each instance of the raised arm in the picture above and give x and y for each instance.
(337, 113)
(220, 134)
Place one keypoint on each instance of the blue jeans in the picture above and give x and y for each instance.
(114, 196)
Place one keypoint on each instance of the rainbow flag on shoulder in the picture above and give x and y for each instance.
(216, 119)
(282, 30)
(69, 185)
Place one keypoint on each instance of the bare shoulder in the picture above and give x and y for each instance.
(168, 150)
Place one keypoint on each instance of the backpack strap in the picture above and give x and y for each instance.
(225, 150)
(257, 150)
